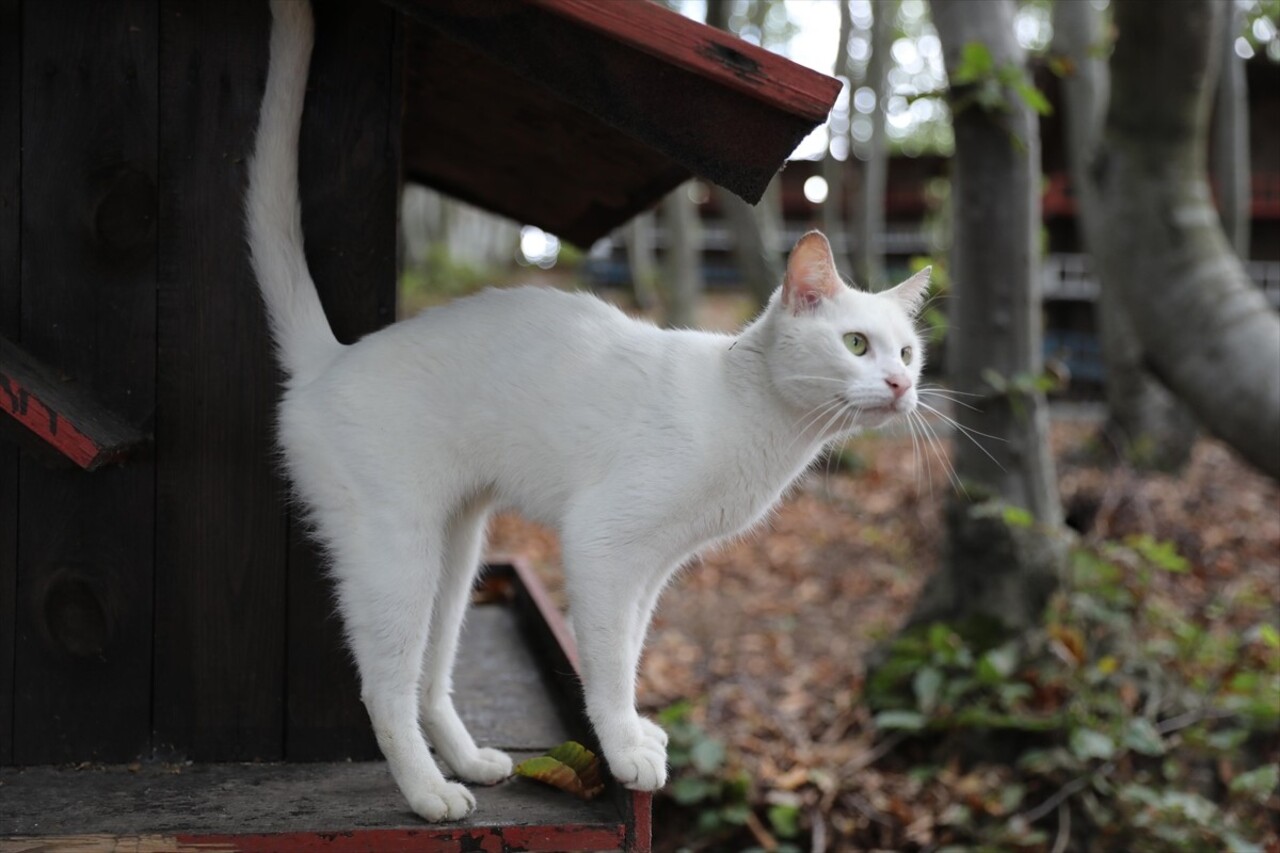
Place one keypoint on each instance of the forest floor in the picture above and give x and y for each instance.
(758, 650)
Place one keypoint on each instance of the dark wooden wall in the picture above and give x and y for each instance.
(170, 605)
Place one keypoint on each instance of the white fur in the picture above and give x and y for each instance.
(640, 446)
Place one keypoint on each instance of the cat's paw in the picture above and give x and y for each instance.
(640, 768)
(484, 767)
(446, 801)
(653, 732)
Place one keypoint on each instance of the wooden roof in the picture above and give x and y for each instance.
(575, 115)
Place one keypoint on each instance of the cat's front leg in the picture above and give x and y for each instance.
(604, 617)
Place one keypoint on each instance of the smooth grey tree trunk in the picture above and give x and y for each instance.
(683, 258)
(755, 235)
(1231, 139)
(642, 260)
(869, 257)
(1146, 424)
(833, 170)
(996, 571)
(1207, 330)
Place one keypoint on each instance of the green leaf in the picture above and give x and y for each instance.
(1032, 97)
(785, 820)
(998, 663)
(1090, 743)
(707, 755)
(1269, 635)
(911, 721)
(975, 64)
(736, 814)
(1141, 735)
(927, 685)
(1258, 783)
(688, 790)
(1016, 516)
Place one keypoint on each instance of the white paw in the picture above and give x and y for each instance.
(640, 768)
(484, 767)
(447, 801)
(653, 732)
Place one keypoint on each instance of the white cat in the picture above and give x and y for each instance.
(641, 446)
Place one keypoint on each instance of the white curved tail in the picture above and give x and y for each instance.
(304, 341)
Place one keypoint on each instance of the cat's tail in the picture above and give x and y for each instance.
(304, 341)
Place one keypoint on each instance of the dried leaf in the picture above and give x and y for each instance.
(570, 767)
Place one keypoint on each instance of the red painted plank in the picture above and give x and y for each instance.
(706, 51)
(444, 840)
(59, 415)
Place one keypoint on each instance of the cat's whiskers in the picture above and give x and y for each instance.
(915, 451)
(810, 418)
(968, 433)
(947, 467)
(945, 394)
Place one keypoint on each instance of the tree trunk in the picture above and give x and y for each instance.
(833, 170)
(684, 256)
(756, 248)
(1146, 424)
(875, 171)
(1231, 139)
(1208, 332)
(997, 570)
(642, 260)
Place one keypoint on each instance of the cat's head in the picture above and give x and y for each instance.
(849, 357)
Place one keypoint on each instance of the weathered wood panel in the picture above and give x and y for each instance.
(221, 528)
(10, 289)
(349, 173)
(83, 646)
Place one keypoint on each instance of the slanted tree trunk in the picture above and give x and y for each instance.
(683, 258)
(1207, 330)
(869, 258)
(1146, 424)
(1231, 139)
(756, 243)
(999, 570)
(833, 170)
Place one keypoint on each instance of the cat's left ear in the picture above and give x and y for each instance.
(910, 294)
(811, 274)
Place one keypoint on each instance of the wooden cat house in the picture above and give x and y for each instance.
(159, 604)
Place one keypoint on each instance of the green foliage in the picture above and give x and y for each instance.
(987, 85)
(440, 278)
(703, 780)
(1116, 704)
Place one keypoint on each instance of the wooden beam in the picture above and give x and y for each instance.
(59, 415)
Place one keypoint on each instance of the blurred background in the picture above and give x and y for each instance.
(1045, 615)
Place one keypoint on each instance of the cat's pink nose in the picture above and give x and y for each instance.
(899, 382)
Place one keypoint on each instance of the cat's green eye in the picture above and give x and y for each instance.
(906, 355)
(856, 343)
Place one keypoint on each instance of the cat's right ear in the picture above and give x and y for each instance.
(811, 274)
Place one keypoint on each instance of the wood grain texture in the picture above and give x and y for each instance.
(10, 292)
(350, 190)
(221, 528)
(89, 119)
(576, 115)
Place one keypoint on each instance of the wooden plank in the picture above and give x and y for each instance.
(222, 535)
(89, 121)
(57, 415)
(10, 291)
(350, 190)
(539, 93)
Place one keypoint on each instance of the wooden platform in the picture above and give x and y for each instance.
(515, 688)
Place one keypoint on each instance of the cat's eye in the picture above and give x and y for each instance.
(906, 355)
(856, 343)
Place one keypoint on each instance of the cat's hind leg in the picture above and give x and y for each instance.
(387, 594)
(454, 745)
